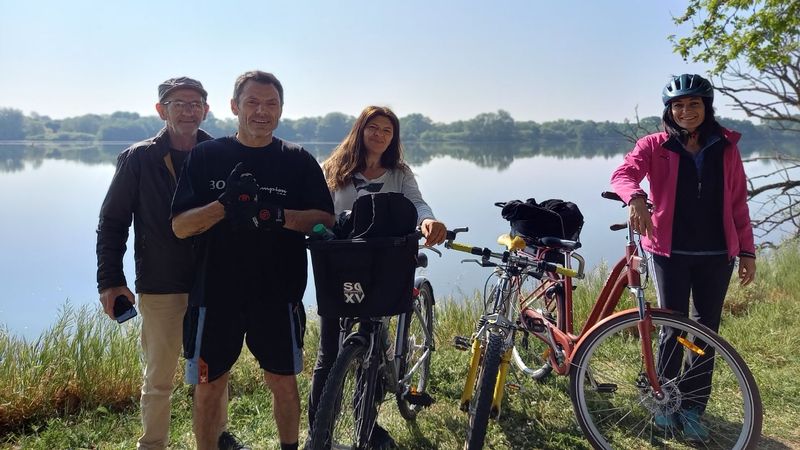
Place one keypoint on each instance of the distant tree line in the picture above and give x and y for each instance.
(487, 127)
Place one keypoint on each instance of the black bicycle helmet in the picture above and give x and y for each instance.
(686, 85)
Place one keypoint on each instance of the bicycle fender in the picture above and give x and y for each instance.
(633, 311)
(419, 281)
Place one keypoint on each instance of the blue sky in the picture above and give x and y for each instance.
(449, 60)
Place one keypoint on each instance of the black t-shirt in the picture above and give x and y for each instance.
(257, 264)
(178, 158)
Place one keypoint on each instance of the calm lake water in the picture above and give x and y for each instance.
(51, 198)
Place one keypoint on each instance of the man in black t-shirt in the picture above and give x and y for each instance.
(249, 199)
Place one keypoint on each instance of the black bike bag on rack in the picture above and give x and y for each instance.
(553, 217)
(364, 277)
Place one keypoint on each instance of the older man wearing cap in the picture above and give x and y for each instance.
(141, 191)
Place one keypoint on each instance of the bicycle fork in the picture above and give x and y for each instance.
(472, 374)
(636, 267)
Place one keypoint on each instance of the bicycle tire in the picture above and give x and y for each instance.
(481, 405)
(420, 325)
(614, 412)
(529, 353)
(336, 424)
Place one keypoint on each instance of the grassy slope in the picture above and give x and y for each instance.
(50, 396)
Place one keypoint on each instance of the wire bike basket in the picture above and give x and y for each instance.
(364, 277)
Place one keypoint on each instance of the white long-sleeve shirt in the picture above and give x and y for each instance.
(394, 180)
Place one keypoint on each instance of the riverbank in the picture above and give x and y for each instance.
(77, 386)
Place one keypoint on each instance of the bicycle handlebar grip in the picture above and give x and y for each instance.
(515, 243)
(611, 195)
(550, 267)
(451, 234)
(567, 272)
(465, 248)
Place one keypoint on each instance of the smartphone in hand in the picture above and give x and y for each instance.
(123, 309)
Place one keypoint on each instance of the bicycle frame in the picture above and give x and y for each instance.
(626, 273)
(496, 320)
(370, 333)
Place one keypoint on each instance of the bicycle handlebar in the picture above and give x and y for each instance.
(508, 258)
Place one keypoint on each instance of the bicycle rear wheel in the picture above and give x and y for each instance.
(419, 340)
(346, 413)
(481, 405)
(530, 354)
(616, 409)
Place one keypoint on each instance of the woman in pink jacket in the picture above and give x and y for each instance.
(699, 224)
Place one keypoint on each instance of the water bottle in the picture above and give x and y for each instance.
(321, 232)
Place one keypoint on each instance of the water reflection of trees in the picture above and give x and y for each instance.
(14, 157)
(499, 155)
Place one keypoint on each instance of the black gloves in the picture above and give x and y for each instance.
(242, 208)
(240, 199)
(240, 189)
(270, 216)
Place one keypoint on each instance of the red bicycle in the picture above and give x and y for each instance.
(620, 391)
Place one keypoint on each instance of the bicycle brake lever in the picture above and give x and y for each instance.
(435, 250)
(535, 273)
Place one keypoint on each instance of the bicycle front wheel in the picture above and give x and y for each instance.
(616, 408)
(346, 413)
(419, 345)
(481, 405)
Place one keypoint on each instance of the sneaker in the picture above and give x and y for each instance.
(665, 422)
(693, 429)
(227, 441)
(381, 440)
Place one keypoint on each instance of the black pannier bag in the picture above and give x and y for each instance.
(364, 277)
(550, 218)
(371, 274)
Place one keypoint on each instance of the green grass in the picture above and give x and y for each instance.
(77, 386)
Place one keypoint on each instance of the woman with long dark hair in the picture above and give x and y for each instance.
(699, 225)
(369, 160)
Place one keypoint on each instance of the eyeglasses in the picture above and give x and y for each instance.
(185, 106)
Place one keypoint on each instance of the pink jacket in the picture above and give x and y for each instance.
(650, 158)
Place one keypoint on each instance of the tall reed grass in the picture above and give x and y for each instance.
(84, 360)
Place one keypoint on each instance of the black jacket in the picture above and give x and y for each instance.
(142, 190)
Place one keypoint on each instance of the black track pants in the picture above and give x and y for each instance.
(705, 279)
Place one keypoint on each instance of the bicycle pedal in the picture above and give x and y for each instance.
(462, 343)
(419, 398)
(606, 388)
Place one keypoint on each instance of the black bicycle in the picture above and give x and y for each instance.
(370, 364)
